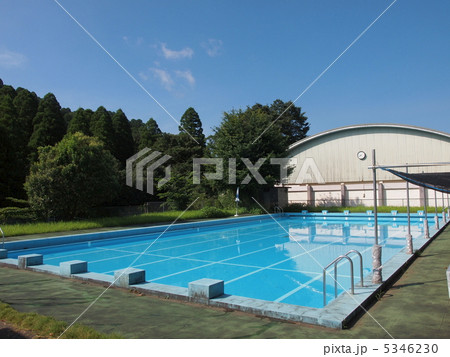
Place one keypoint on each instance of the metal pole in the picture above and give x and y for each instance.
(425, 209)
(448, 207)
(376, 249)
(409, 243)
(3, 238)
(436, 218)
(444, 218)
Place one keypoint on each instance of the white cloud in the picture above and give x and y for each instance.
(213, 47)
(187, 75)
(139, 41)
(171, 54)
(143, 76)
(164, 77)
(10, 59)
(133, 41)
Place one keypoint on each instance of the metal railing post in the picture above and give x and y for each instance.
(3, 238)
(361, 270)
(444, 218)
(409, 243)
(335, 275)
(425, 209)
(377, 277)
(436, 218)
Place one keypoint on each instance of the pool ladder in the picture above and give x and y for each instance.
(335, 262)
(278, 209)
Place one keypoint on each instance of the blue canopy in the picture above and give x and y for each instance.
(439, 181)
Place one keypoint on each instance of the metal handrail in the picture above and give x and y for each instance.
(3, 239)
(335, 262)
(360, 264)
(278, 209)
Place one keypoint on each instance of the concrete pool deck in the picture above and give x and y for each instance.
(417, 306)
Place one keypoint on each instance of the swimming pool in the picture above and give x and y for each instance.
(279, 259)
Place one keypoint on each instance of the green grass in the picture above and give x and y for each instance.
(12, 230)
(48, 327)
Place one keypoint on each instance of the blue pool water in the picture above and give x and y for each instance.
(265, 259)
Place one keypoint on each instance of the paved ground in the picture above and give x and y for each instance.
(417, 306)
(9, 331)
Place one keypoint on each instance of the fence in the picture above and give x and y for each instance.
(361, 194)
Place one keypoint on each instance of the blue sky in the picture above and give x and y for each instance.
(220, 55)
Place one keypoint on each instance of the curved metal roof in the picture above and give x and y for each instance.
(365, 126)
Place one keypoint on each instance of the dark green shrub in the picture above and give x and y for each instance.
(213, 212)
(16, 214)
(295, 207)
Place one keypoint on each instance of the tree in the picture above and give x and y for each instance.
(71, 177)
(144, 134)
(48, 125)
(6, 90)
(292, 122)
(136, 125)
(80, 122)
(5, 163)
(8, 169)
(102, 128)
(123, 138)
(235, 138)
(180, 191)
(289, 118)
(191, 126)
(67, 115)
(26, 105)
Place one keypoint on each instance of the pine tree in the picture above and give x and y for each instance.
(180, 191)
(26, 105)
(80, 122)
(8, 166)
(102, 128)
(191, 126)
(150, 132)
(48, 125)
(6, 90)
(123, 139)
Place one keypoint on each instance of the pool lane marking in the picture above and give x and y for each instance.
(354, 299)
(205, 250)
(201, 266)
(125, 245)
(148, 239)
(115, 279)
(199, 242)
(304, 285)
(171, 258)
(279, 262)
(298, 288)
(224, 260)
(96, 250)
(171, 239)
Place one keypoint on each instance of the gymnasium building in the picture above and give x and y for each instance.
(332, 167)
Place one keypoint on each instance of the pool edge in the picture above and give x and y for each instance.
(339, 314)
